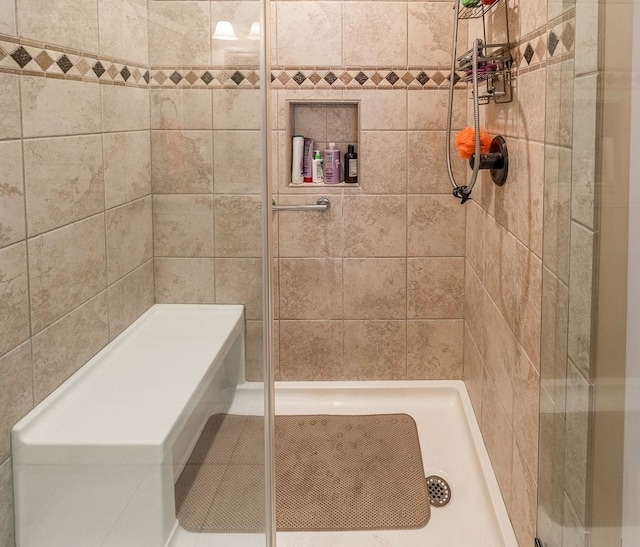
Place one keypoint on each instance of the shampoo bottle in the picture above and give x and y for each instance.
(296, 159)
(332, 164)
(351, 165)
(308, 160)
(317, 175)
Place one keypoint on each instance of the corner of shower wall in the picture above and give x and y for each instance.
(503, 272)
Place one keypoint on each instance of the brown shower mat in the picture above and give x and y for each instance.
(332, 473)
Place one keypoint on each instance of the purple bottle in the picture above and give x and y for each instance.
(332, 169)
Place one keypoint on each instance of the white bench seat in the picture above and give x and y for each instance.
(95, 462)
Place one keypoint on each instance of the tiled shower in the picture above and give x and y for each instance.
(131, 174)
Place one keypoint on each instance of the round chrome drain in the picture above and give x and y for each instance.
(438, 490)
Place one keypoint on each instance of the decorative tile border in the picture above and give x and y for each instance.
(359, 78)
(552, 43)
(36, 59)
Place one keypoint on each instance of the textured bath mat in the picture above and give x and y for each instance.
(332, 473)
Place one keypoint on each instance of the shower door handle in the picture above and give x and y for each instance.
(322, 204)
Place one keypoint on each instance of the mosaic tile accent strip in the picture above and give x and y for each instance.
(36, 59)
(552, 43)
(360, 78)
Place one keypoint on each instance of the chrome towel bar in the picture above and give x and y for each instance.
(322, 204)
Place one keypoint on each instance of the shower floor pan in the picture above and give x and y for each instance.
(452, 448)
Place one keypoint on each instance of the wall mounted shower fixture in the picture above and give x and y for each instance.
(489, 65)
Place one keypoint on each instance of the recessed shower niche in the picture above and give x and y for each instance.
(325, 122)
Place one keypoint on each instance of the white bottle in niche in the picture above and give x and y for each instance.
(297, 166)
(332, 164)
(316, 167)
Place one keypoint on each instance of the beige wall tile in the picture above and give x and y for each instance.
(240, 52)
(127, 167)
(236, 109)
(44, 100)
(434, 350)
(130, 297)
(375, 350)
(559, 122)
(129, 237)
(531, 98)
(385, 169)
(473, 373)
(380, 109)
(435, 288)
(239, 281)
(473, 306)
(532, 17)
(342, 123)
(499, 267)
(181, 108)
(526, 411)
(238, 226)
(474, 237)
(375, 226)
(236, 162)
(579, 396)
(528, 302)
(553, 331)
(498, 353)
(524, 492)
(254, 351)
(10, 125)
(364, 24)
(584, 151)
(586, 46)
(17, 394)
(182, 162)
(179, 33)
(435, 226)
(310, 288)
(310, 120)
(70, 23)
(123, 29)
(61, 349)
(557, 210)
(503, 119)
(427, 109)
(498, 437)
(14, 297)
(6, 509)
(310, 350)
(551, 470)
(429, 34)
(63, 181)
(581, 297)
(125, 108)
(66, 267)
(305, 235)
(12, 213)
(8, 24)
(184, 280)
(427, 171)
(375, 288)
(293, 47)
(529, 174)
(183, 225)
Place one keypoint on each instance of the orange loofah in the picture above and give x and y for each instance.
(466, 143)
